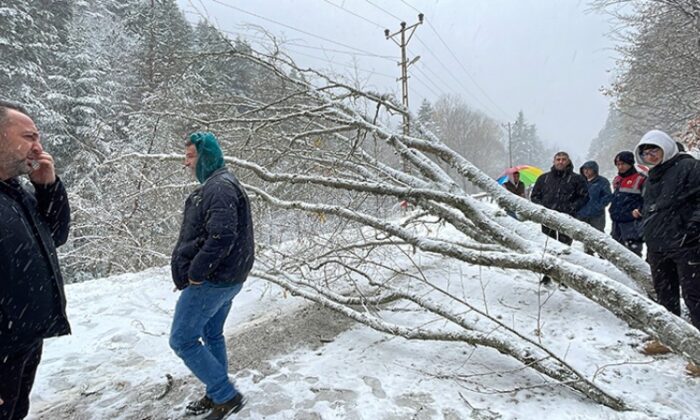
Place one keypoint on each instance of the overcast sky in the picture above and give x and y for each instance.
(547, 57)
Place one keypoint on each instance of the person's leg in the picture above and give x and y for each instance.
(214, 331)
(549, 232)
(599, 224)
(665, 278)
(634, 246)
(688, 265)
(17, 373)
(564, 239)
(195, 308)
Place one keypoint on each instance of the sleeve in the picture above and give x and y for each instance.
(604, 196)
(581, 194)
(536, 194)
(694, 187)
(52, 204)
(221, 221)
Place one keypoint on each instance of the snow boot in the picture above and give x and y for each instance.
(200, 406)
(221, 411)
(546, 281)
(654, 347)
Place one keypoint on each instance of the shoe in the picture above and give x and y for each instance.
(546, 281)
(200, 406)
(692, 370)
(654, 347)
(221, 411)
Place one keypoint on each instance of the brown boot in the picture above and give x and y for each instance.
(692, 370)
(655, 347)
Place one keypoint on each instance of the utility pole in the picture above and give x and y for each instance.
(510, 148)
(404, 63)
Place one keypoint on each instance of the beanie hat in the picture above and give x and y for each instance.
(210, 158)
(626, 157)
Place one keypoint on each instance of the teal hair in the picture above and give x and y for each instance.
(210, 158)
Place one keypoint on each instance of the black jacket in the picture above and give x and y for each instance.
(671, 202)
(216, 238)
(563, 191)
(32, 300)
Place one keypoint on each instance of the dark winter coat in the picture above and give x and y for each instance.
(563, 191)
(32, 300)
(599, 194)
(515, 189)
(671, 203)
(216, 238)
(627, 195)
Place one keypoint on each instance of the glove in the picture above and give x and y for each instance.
(692, 235)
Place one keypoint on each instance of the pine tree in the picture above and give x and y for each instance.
(526, 146)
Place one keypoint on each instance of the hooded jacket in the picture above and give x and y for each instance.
(671, 196)
(216, 241)
(599, 194)
(32, 300)
(563, 191)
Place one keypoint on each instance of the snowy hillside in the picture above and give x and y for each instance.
(294, 361)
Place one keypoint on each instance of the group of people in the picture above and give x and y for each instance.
(211, 259)
(661, 209)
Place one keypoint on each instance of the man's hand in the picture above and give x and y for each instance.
(636, 213)
(44, 173)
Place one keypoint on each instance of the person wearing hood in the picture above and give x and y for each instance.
(599, 196)
(560, 189)
(627, 203)
(671, 222)
(211, 260)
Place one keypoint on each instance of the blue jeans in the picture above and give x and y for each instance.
(200, 313)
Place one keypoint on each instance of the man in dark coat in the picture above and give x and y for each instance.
(514, 185)
(34, 223)
(599, 195)
(210, 262)
(627, 203)
(671, 222)
(562, 190)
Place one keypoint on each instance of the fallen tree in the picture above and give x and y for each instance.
(319, 148)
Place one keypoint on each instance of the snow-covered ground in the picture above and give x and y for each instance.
(115, 363)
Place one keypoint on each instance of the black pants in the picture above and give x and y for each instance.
(677, 270)
(17, 372)
(556, 235)
(597, 222)
(634, 245)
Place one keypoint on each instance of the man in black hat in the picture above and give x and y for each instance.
(627, 203)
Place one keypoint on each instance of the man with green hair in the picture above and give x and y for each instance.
(210, 262)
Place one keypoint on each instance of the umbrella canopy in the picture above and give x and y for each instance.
(528, 174)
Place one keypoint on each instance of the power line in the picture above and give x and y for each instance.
(368, 53)
(467, 72)
(454, 56)
(354, 14)
(456, 79)
(459, 82)
(258, 38)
